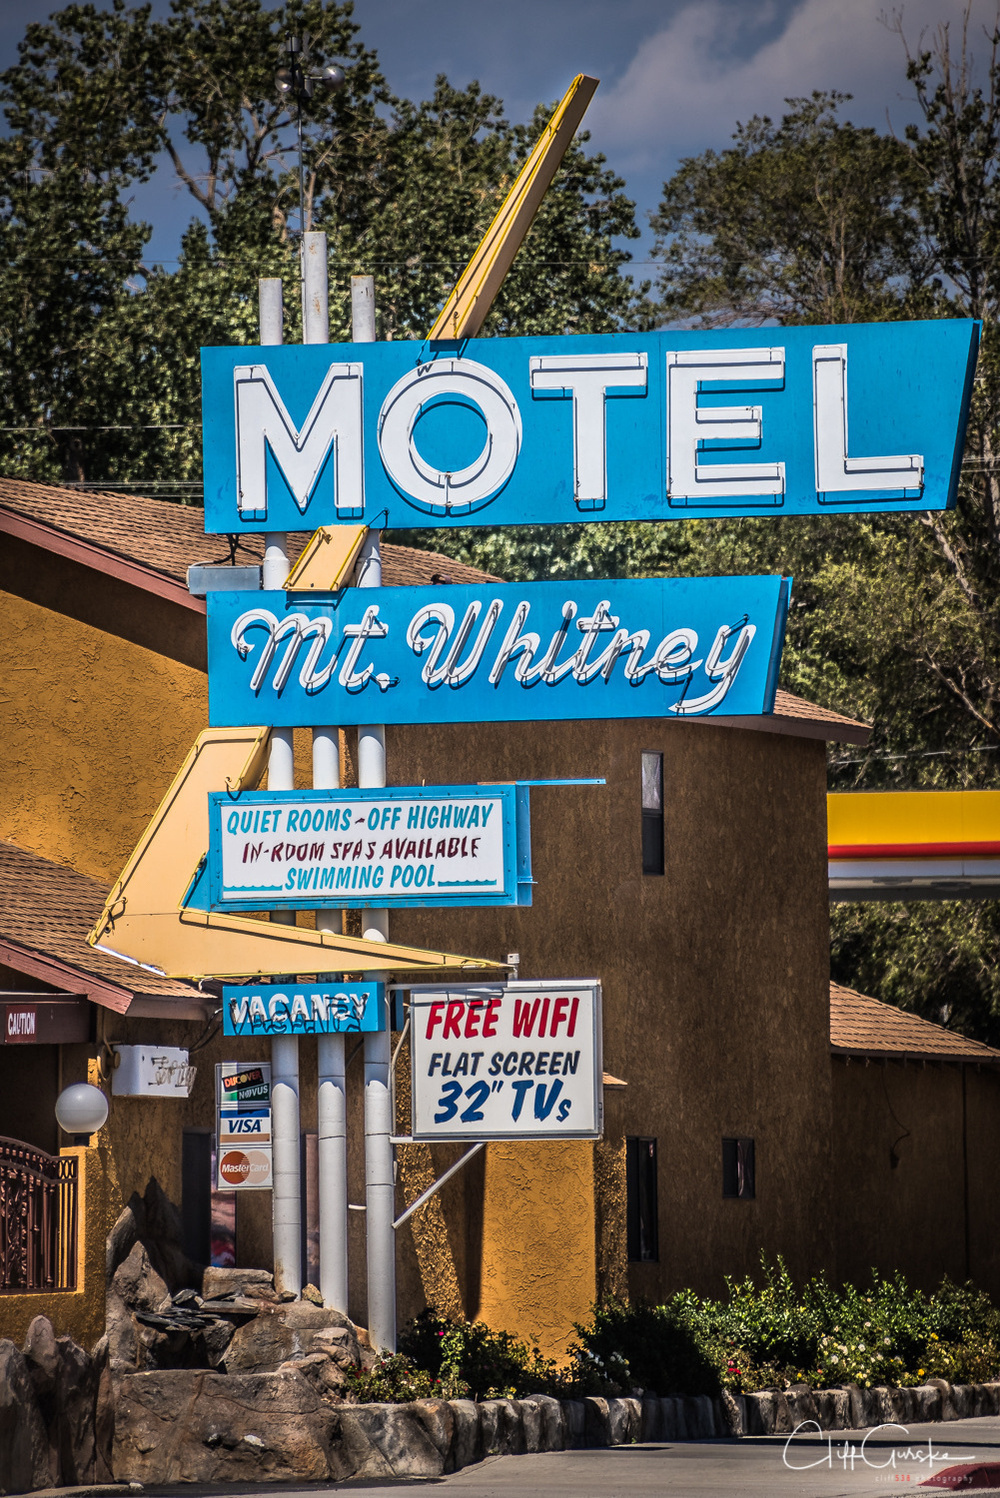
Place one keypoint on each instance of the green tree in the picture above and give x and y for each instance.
(893, 618)
(810, 220)
(94, 338)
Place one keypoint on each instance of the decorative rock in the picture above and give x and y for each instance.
(123, 1236)
(552, 1436)
(182, 1426)
(576, 1423)
(833, 1408)
(26, 1459)
(651, 1419)
(310, 1293)
(929, 1402)
(678, 1428)
(733, 1412)
(700, 1418)
(624, 1421)
(766, 1423)
(468, 1447)
(65, 1382)
(258, 1284)
(279, 1334)
(135, 1287)
(508, 1427)
(387, 1440)
(104, 1414)
(802, 1404)
(531, 1422)
(340, 1343)
(597, 1427)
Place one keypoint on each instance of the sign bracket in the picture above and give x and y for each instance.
(435, 1185)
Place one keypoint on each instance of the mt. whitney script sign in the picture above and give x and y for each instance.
(635, 648)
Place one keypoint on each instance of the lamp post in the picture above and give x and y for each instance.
(296, 81)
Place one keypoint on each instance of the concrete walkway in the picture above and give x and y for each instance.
(843, 1464)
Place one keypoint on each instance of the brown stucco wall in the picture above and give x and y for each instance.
(715, 975)
(936, 1211)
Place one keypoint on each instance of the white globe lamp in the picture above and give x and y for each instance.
(81, 1110)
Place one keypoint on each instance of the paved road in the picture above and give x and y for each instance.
(842, 1464)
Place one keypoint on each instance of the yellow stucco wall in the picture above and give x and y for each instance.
(95, 727)
(715, 977)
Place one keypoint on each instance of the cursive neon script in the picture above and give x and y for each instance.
(583, 648)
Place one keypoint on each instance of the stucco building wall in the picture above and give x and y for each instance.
(103, 696)
(715, 975)
(936, 1210)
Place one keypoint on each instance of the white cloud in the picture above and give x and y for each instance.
(689, 83)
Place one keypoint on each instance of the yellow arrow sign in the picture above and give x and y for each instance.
(145, 919)
(465, 310)
(326, 560)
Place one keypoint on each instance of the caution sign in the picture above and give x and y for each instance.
(243, 1127)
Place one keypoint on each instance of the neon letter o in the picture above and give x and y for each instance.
(466, 383)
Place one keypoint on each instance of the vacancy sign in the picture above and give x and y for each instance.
(620, 426)
(517, 1060)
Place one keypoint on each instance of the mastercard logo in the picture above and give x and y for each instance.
(245, 1168)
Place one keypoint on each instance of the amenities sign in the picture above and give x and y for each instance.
(513, 1061)
(441, 845)
(622, 426)
(635, 648)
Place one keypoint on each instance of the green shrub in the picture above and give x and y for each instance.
(395, 1379)
(490, 1364)
(763, 1333)
(659, 1348)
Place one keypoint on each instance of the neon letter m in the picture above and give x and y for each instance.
(334, 422)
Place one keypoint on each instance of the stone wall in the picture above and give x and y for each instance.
(274, 1427)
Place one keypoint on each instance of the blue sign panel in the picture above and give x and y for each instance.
(351, 849)
(620, 426)
(302, 1008)
(639, 648)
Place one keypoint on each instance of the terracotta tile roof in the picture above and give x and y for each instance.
(46, 911)
(168, 538)
(861, 1026)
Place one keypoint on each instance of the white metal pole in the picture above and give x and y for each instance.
(380, 1192)
(286, 1199)
(332, 1095)
(315, 290)
(332, 1084)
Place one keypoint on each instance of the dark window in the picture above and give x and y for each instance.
(641, 1208)
(738, 1168)
(652, 813)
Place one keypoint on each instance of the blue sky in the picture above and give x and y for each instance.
(675, 75)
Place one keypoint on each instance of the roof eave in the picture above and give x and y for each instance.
(800, 728)
(939, 1058)
(98, 558)
(126, 1001)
